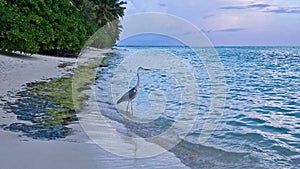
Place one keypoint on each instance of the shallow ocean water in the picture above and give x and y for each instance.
(259, 126)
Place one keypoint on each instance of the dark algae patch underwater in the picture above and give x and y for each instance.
(44, 108)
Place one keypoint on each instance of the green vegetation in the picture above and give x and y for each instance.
(56, 27)
(42, 26)
(47, 106)
(51, 105)
(58, 91)
(100, 11)
(66, 92)
(84, 76)
(109, 32)
(106, 14)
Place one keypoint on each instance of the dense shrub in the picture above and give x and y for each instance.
(43, 26)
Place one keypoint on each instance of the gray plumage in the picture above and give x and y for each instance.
(131, 94)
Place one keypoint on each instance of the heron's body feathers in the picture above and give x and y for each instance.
(131, 94)
(128, 96)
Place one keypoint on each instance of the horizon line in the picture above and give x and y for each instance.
(207, 46)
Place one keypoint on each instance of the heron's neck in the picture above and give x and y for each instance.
(138, 81)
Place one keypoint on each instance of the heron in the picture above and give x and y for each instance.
(131, 94)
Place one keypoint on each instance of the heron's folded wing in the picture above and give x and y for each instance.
(124, 98)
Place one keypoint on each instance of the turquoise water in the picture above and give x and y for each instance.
(260, 124)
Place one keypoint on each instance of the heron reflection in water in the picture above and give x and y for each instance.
(131, 94)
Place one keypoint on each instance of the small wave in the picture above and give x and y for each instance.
(249, 136)
(236, 123)
(200, 156)
(254, 120)
(273, 129)
(297, 115)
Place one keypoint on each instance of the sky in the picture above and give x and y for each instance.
(230, 22)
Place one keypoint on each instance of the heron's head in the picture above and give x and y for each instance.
(141, 68)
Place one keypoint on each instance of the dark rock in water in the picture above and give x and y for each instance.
(3, 126)
(102, 65)
(65, 64)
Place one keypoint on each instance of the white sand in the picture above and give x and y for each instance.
(74, 152)
(24, 153)
(18, 70)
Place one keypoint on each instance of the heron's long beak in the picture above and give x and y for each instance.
(146, 69)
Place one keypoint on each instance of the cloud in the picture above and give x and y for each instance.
(234, 7)
(206, 31)
(224, 30)
(261, 6)
(285, 10)
(208, 16)
(162, 4)
(267, 8)
(258, 6)
(230, 30)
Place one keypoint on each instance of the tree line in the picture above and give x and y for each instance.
(58, 27)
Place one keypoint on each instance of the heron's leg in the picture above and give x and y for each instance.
(127, 106)
(131, 109)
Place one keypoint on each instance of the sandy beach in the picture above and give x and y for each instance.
(22, 152)
(75, 151)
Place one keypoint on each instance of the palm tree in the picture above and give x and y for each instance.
(106, 14)
(108, 10)
(101, 11)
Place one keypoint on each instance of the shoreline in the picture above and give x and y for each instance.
(76, 150)
(96, 124)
